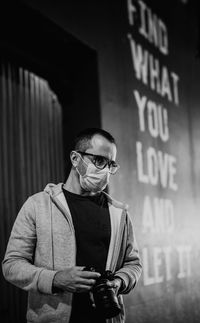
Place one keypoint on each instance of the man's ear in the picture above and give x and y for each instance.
(75, 157)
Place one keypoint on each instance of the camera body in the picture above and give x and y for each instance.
(105, 297)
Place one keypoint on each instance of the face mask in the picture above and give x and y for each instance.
(94, 180)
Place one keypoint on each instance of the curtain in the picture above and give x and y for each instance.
(31, 155)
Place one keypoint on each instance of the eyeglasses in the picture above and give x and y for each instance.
(101, 162)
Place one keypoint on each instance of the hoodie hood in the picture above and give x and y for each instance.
(55, 189)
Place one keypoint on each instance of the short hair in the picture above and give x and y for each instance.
(83, 139)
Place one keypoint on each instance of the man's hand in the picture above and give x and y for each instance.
(116, 283)
(75, 280)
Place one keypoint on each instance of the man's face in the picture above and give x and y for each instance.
(100, 146)
(93, 166)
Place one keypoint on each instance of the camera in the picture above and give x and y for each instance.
(105, 297)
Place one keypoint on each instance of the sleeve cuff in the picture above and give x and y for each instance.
(126, 283)
(45, 280)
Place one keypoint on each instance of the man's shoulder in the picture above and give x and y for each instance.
(49, 190)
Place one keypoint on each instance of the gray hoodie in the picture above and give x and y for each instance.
(42, 242)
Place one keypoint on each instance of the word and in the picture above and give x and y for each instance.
(157, 215)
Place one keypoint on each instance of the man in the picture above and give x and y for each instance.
(66, 229)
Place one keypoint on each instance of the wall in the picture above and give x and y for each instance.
(155, 119)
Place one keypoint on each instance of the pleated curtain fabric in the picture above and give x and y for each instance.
(31, 155)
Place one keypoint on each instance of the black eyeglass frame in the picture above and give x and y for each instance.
(109, 162)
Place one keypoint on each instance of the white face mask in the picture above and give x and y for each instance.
(94, 180)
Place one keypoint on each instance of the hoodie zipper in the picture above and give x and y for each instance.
(119, 242)
(69, 220)
(64, 212)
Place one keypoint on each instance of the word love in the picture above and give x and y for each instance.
(155, 167)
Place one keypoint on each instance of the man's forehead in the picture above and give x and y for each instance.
(98, 141)
(102, 146)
